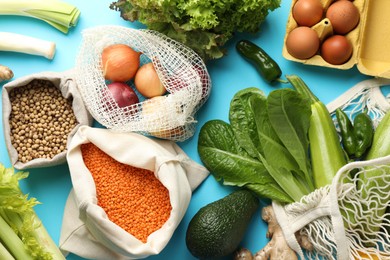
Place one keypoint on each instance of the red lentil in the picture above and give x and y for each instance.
(133, 198)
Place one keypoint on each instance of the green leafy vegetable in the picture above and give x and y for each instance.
(270, 133)
(221, 154)
(292, 127)
(22, 233)
(58, 14)
(326, 153)
(203, 25)
(242, 119)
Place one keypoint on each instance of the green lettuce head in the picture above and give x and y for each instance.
(203, 25)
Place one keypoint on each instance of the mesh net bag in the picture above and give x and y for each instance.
(180, 69)
(349, 219)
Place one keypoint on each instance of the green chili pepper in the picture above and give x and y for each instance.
(364, 132)
(266, 66)
(348, 137)
(356, 137)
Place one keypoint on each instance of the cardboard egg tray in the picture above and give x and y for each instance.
(370, 38)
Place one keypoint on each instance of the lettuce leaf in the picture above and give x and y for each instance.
(264, 147)
(203, 25)
(228, 162)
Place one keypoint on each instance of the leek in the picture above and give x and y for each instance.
(58, 14)
(25, 44)
(22, 232)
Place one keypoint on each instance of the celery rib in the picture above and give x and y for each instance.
(12, 241)
(22, 232)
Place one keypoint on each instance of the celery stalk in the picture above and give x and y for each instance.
(22, 232)
(5, 255)
(12, 241)
(58, 14)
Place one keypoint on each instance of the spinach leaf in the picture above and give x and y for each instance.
(221, 153)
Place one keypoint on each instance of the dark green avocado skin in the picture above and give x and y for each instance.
(217, 229)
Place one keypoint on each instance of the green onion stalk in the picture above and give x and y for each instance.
(60, 15)
(22, 235)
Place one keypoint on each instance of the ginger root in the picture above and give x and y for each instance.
(5, 73)
(277, 248)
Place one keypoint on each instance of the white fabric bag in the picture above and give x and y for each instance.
(318, 216)
(64, 81)
(86, 230)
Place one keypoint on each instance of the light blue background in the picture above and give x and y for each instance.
(229, 74)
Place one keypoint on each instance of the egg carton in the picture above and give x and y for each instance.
(369, 38)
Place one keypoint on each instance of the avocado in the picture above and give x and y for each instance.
(217, 229)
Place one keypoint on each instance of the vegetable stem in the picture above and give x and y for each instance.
(25, 44)
(326, 152)
(12, 241)
(22, 232)
(5, 255)
(58, 14)
(302, 88)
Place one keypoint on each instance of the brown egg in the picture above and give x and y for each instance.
(302, 42)
(307, 12)
(344, 16)
(336, 50)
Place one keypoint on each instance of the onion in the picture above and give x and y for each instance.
(123, 94)
(147, 81)
(155, 108)
(120, 62)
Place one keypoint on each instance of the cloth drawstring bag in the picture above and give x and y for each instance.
(65, 82)
(87, 231)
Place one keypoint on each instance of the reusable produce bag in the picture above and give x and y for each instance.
(86, 229)
(342, 220)
(181, 71)
(65, 82)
